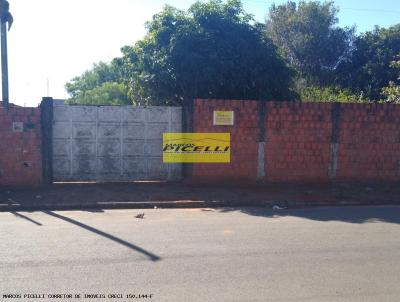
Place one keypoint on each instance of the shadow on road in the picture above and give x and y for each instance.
(97, 195)
(127, 244)
(26, 218)
(362, 214)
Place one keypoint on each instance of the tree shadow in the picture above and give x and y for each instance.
(127, 244)
(350, 214)
(26, 218)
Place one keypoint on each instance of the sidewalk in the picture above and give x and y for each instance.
(68, 196)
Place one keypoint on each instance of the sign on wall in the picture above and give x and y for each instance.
(196, 147)
(223, 118)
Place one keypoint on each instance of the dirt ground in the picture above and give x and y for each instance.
(86, 194)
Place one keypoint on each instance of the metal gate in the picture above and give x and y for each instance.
(112, 143)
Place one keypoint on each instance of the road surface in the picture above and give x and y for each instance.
(245, 254)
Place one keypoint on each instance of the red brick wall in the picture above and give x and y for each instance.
(20, 152)
(369, 147)
(300, 141)
(244, 150)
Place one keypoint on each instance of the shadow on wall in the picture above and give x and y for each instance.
(362, 214)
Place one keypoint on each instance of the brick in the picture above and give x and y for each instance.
(14, 143)
(299, 140)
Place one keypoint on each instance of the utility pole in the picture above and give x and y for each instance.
(4, 64)
(5, 17)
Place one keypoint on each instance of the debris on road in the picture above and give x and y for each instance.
(140, 216)
(276, 207)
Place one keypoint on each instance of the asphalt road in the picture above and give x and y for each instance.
(247, 254)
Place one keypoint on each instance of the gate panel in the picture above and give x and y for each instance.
(112, 143)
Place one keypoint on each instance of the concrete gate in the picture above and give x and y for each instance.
(112, 143)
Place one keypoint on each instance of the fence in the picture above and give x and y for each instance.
(271, 142)
(312, 142)
(112, 143)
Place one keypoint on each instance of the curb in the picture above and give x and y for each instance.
(187, 204)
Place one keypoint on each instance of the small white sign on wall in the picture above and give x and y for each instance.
(224, 118)
(17, 127)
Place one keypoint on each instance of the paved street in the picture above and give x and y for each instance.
(246, 254)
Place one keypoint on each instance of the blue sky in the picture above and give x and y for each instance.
(364, 13)
(54, 40)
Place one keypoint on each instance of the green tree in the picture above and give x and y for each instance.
(102, 85)
(108, 93)
(368, 69)
(391, 93)
(307, 36)
(213, 50)
(330, 94)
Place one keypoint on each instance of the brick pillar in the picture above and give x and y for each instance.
(261, 111)
(46, 121)
(334, 141)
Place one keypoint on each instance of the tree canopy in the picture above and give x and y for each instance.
(307, 35)
(216, 50)
(368, 69)
(100, 85)
(213, 50)
(391, 93)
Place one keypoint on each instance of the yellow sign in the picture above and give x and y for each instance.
(223, 118)
(196, 147)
